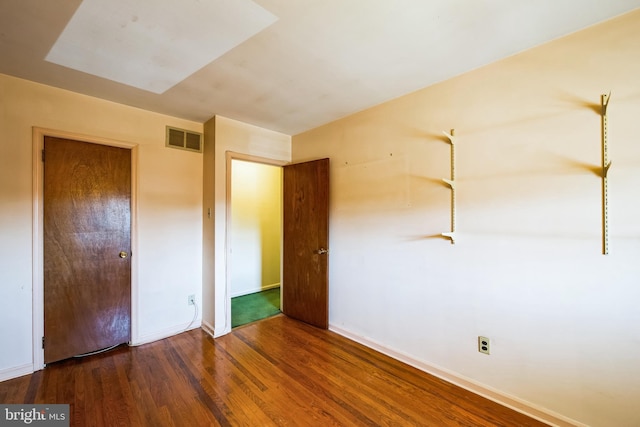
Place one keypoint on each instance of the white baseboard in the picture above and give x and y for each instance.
(166, 333)
(15, 372)
(473, 386)
(208, 328)
(253, 291)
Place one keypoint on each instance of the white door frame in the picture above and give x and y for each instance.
(38, 135)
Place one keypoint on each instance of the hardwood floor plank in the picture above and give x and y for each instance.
(440, 390)
(277, 372)
(372, 393)
(217, 407)
(281, 389)
(295, 364)
(125, 384)
(373, 378)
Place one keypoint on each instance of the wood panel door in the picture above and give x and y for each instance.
(305, 272)
(87, 247)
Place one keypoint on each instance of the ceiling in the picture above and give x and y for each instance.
(285, 65)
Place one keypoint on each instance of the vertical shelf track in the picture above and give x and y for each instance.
(606, 164)
(452, 183)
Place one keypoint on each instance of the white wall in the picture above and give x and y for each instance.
(256, 227)
(527, 270)
(169, 207)
(247, 140)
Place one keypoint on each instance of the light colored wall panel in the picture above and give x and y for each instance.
(169, 253)
(527, 270)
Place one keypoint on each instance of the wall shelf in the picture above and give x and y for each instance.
(452, 184)
(606, 164)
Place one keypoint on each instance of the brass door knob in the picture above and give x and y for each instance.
(122, 254)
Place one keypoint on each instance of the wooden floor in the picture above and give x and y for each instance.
(274, 372)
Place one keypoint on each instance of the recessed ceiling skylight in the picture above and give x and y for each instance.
(153, 45)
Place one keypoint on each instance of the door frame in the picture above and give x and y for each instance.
(38, 135)
(231, 155)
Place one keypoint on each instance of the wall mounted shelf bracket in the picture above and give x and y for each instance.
(606, 164)
(452, 184)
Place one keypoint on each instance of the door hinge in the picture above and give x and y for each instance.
(43, 155)
(43, 343)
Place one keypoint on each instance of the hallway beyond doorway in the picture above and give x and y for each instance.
(256, 306)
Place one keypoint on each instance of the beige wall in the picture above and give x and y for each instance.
(169, 189)
(256, 227)
(248, 142)
(208, 225)
(527, 270)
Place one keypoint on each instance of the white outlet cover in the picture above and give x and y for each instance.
(482, 343)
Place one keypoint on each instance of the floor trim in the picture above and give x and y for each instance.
(208, 328)
(18, 371)
(497, 396)
(166, 333)
(255, 291)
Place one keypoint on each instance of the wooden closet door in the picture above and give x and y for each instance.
(87, 247)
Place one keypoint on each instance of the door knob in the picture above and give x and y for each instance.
(322, 251)
(122, 254)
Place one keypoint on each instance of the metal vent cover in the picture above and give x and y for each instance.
(183, 139)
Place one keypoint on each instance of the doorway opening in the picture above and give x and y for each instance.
(304, 240)
(255, 241)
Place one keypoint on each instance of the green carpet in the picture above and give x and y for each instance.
(252, 307)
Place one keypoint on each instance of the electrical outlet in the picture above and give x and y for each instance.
(192, 299)
(484, 345)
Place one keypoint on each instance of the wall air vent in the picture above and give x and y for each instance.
(184, 139)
